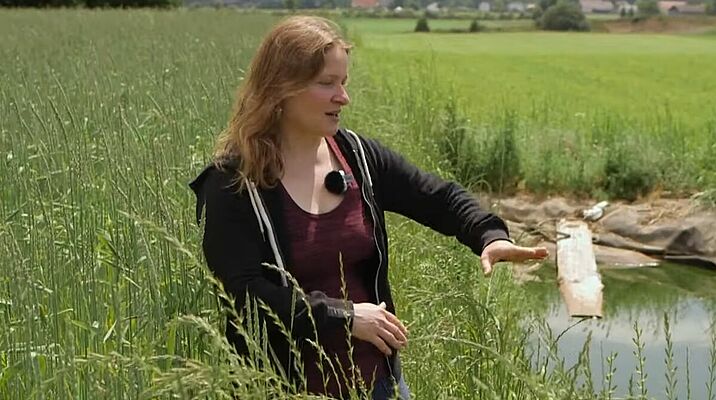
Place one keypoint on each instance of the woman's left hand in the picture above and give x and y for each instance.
(503, 250)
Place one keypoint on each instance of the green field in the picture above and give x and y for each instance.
(647, 96)
(105, 116)
(378, 27)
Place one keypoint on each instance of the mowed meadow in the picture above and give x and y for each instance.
(105, 116)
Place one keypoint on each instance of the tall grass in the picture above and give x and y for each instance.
(106, 115)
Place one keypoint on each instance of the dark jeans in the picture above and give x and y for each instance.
(384, 389)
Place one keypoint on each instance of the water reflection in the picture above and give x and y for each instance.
(686, 294)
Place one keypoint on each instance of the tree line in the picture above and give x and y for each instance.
(92, 3)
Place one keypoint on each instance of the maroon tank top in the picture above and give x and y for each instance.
(326, 250)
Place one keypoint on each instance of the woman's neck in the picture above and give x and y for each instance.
(299, 151)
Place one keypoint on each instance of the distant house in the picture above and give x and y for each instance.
(596, 6)
(670, 7)
(484, 6)
(693, 9)
(626, 6)
(364, 3)
(516, 6)
(680, 8)
(433, 8)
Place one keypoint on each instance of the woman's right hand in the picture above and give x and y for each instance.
(374, 324)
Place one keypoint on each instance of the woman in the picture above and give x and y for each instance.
(291, 189)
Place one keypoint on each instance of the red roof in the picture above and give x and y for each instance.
(364, 3)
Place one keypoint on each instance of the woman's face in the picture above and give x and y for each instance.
(316, 110)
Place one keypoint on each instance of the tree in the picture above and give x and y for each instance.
(290, 5)
(422, 25)
(475, 26)
(545, 4)
(711, 7)
(412, 4)
(499, 6)
(647, 8)
(91, 3)
(305, 4)
(564, 16)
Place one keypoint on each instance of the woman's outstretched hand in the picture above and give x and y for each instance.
(374, 324)
(503, 250)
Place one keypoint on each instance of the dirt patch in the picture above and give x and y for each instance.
(625, 234)
(662, 24)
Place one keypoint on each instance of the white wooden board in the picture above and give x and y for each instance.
(577, 275)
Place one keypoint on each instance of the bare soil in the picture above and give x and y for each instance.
(661, 24)
(626, 235)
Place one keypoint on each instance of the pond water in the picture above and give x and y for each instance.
(687, 295)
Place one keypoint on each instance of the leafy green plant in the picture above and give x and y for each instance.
(475, 26)
(564, 16)
(647, 8)
(422, 25)
(628, 172)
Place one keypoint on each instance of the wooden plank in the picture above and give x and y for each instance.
(577, 276)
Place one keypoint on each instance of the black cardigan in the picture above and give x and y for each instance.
(235, 248)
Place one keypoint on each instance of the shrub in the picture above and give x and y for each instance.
(707, 197)
(487, 161)
(628, 173)
(564, 16)
(711, 7)
(500, 159)
(647, 7)
(635, 19)
(537, 15)
(91, 3)
(451, 145)
(422, 25)
(475, 26)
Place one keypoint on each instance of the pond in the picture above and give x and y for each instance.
(686, 294)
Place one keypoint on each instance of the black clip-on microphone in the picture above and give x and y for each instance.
(337, 182)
